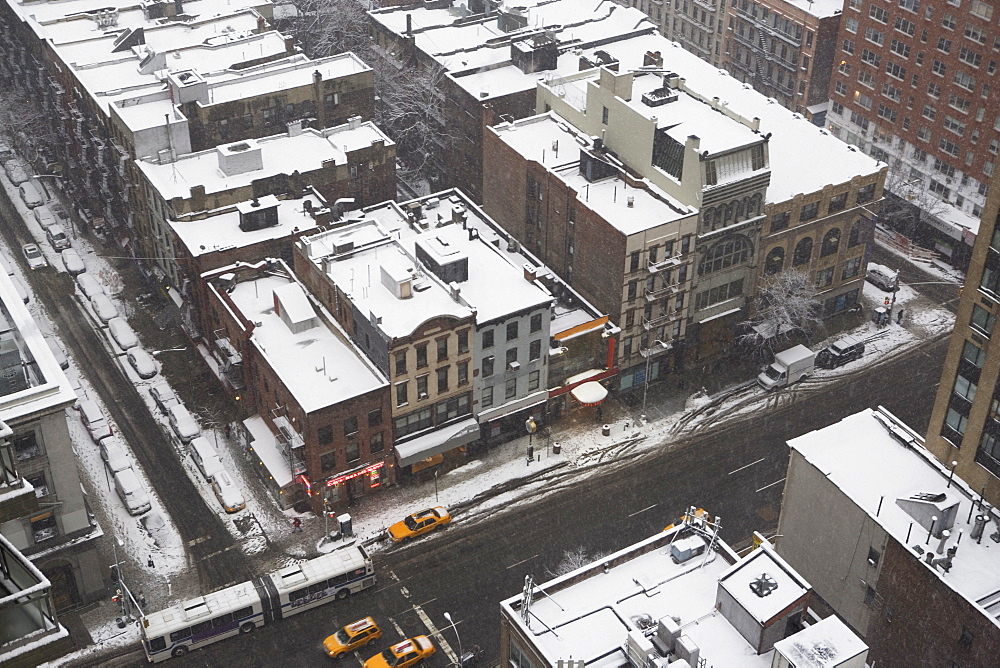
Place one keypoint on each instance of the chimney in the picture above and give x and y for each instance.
(354, 122)
(261, 24)
(652, 59)
(294, 128)
(755, 124)
(409, 24)
(317, 77)
(630, 201)
(530, 273)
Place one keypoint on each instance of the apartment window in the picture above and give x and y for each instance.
(848, 46)
(824, 277)
(350, 426)
(851, 25)
(324, 435)
(442, 380)
(376, 443)
(970, 57)
(809, 211)
(488, 366)
(511, 330)
(534, 378)
(442, 349)
(353, 452)
(938, 68)
(328, 461)
(910, 5)
(511, 356)
(604, 115)
(719, 294)
(873, 556)
(421, 355)
(487, 398)
(26, 446)
(535, 350)
(375, 417)
(803, 252)
(40, 484)
(954, 125)
(944, 45)
(965, 81)
(632, 291)
(870, 57)
(904, 26)
(982, 320)
(332, 99)
(874, 36)
(954, 420)
(929, 112)
(889, 114)
(463, 342)
(900, 48)
(488, 338)
(247, 122)
(779, 221)
(869, 595)
(863, 100)
(948, 146)
(44, 527)
(934, 89)
(413, 422)
(878, 13)
(422, 387)
(840, 88)
(401, 399)
(866, 78)
(965, 387)
(633, 261)
(463, 373)
(510, 389)
(894, 70)
(851, 268)
(975, 34)
(400, 358)
(269, 117)
(536, 323)
(831, 242)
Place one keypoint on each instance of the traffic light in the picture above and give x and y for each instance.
(886, 301)
(117, 597)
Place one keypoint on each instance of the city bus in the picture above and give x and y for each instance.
(241, 608)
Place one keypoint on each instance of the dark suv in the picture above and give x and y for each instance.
(840, 352)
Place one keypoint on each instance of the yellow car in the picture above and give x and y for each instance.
(419, 523)
(351, 637)
(403, 654)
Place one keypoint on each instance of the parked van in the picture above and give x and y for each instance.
(840, 352)
(205, 457)
(93, 419)
(30, 195)
(57, 237)
(183, 423)
(44, 216)
(131, 492)
(883, 277)
(228, 493)
(789, 366)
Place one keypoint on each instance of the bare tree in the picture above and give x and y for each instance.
(26, 124)
(908, 204)
(409, 97)
(787, 306)
(572, 560)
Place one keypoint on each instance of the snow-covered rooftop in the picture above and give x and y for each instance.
(549, 140)
(818, 8)
(318, 365)
(222, 232)
(826, 644)
(587, 614)
(377, 277)
(280, 154)
(488, 266)
(854, 455)
(293, 72)
(569, 308)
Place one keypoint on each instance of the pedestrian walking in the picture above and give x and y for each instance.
(899, 317)
(296, 525)
(149, 562)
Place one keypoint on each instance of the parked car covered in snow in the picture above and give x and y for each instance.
(30, 195)
(183, 423)
(121, 331)
(163, 396)
(142, 362)
(72, 262)
(93, 419)
(89, 286)
(205, 457)
(114, 455)
(104, 308)
(131, 492)
(34, 257)
(17, 170)
(228, 493)
(44, 216)
(57, 238)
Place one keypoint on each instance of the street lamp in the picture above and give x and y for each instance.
(461, 654)
(530, 426)
(648, 353)
(154, 353)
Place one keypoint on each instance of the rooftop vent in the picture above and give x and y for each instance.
(659, 97)
(764, 585)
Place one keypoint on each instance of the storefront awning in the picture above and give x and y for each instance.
(438, 441)
(590, 393)
(524, 403)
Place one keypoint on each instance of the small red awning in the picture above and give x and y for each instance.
(590, 393)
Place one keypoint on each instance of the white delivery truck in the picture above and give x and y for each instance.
(789, 366)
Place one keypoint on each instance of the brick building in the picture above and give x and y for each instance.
(965, 424)
(737, 168)
(698, 26)
(324, 405)
(416, 328)
(785, 50)
(907, 559)
(354, 160)
(912, 87)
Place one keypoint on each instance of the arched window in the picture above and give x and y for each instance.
(803, 252)
(831, 241)
(755, 208)
(726, 254)
(775, 261)
(854, 238)
(706, 218)
(730, 216)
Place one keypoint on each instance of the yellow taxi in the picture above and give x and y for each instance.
(354, 635)
(403, 654)
(419, 523)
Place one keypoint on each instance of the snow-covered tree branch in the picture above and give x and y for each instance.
(787, 306)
